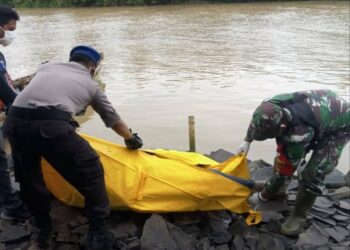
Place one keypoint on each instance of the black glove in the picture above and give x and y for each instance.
(134, 142)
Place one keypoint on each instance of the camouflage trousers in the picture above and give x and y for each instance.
(323, 161)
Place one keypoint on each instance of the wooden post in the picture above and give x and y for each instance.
(191, 131)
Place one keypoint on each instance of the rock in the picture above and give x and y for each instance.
(335, 179)
(219, 223)
(339, 217)
(133, 243)
(324, 220)
(323, 202)
(181, 219)
(347, 178)
(314, 236)
(81, 230)
(262, 174)
(267, 216)
(239, 227)
(155, 234)
(203, 244)
(222, 247)
(344, 205)
(220, 155)
(325, 211)
(339, 193)
(272, 206)
(183, 240)
(293, 185)
(125, 230)
(63, 233)
(63, 214)
(334, 234)
(268, 242)
(274, 226)
(238, 242)
(13, 233)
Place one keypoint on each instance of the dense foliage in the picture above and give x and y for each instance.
(87, 3)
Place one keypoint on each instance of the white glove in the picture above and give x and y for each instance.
(243, 148)
(256, 199)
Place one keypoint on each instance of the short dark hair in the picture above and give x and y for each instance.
(6, 14)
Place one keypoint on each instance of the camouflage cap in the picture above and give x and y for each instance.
(266, 121)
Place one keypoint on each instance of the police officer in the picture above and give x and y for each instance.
(316, 120)
(10, 202)
(39, 124)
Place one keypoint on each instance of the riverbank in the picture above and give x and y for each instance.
(107, 3)
(327, 226)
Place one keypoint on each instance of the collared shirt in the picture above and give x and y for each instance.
(66, 87)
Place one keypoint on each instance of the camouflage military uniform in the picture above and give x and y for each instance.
(327, 137)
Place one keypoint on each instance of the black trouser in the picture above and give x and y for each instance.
(68, 153)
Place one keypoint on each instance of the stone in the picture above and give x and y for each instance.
(268, 242)
(313, 236)
(222, 247)
(13, 233)
(335, 179)
(238, 242)
(262, 174)
(63, 233)
(272, 206)
(344, 205)
(82, 220)
(339, 193)
(239, 227)
(274, 226)
(183, 240)
(293, 185)
(63, 214)
(327, 221)
(342, 230)
(181, 219)
(133, 243)
(203, 244)
(81, 230)
(347, 178)
(267, 216)
(155, 234)
(334, 234)
(219, 223)
(124, 230)
(323, 202)
(220, 155)
(339, 217)
(325, 211)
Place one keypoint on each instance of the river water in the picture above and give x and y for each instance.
(216, 62)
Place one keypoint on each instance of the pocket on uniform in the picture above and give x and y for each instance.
(51, 132)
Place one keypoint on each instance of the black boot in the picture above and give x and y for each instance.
(99, 238)
(42, 231)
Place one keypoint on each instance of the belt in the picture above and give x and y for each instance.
(39, 114)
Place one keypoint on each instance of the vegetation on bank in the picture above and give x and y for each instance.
(90, 3)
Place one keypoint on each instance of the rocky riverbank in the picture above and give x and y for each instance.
(328, 225)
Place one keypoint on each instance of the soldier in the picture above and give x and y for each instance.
(39, 124)
(316, 120)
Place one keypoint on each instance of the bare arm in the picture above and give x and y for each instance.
(122, 129)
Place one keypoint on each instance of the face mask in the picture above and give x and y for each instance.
(8, 38)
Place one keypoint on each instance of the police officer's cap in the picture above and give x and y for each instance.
(89, 52)
(266, 121)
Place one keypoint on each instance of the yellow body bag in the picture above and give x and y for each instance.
(161, 181)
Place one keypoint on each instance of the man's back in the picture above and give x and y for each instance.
(63, 86)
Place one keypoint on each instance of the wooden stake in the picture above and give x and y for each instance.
(191, 131)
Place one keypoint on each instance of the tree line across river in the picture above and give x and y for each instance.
(101, 3)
